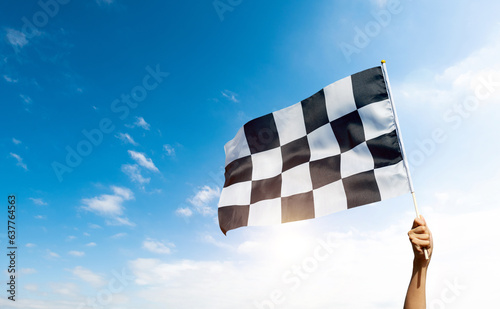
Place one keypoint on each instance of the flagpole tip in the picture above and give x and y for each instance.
(383, 61)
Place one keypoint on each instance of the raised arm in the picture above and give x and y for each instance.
(420, 238)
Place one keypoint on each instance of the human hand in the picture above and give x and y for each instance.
(421, 238)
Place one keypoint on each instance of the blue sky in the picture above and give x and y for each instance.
(139, 196)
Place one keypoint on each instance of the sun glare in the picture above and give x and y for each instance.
(289, 243)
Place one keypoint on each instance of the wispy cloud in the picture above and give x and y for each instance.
(76, 253)
(231, 96)
(30, 245)
(28, 271)
(155, 273)
(119, 221)
(40, 217)
(19, 161)
(88, 276)
(157, 246)
(476, 75)
(94, 226)
(140, 122)
(110, 205)
(67, 289)
(143, 161)
(52, 254)
(16, 141)
(16, 38)
(380, 3)
(10, 79)
(91, 244)
(184, 212)
(202, 198)
(126, 138)
(169, 150)
(105, 2)
(26, 99)
(38, 201)
(31, 287)
(118, 235)
(134, 172)
(211, 240)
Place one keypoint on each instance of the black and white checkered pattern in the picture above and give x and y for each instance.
(335, 150)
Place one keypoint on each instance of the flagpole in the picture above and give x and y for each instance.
(400, 138)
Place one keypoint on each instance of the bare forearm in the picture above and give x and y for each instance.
(415, 297)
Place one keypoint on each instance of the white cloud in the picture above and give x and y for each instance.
(143, 161)
(91, 244)
(64, 288)
(28, 271)
(119, 221)
(154, 272)
(380, 3)
(16, 38)
(94, 226)
(479, 73)
(118, 235)
(134, 173)
(88, 276)
(169, 150)
(31, 287)
(184, 212)
(40, 217)
(30, 245)
(16, 141)
(19, 161)
(203, 197)
(211, 240)
(248, 247)
(197, 284)
(140, 122)
(10, 79)
(328, 269)
(231, 96)
(76, 253)
(26, 99)
(38, 201)
(52, 254)
(110, 206)
(126, 138)
(157, 246)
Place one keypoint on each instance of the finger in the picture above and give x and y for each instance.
(423, 219)
(415, 238)
(418, 222)
(421, 230)
(418, 243)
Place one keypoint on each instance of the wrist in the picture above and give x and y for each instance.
(420, 263)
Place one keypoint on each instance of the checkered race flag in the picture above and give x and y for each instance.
(335, 150)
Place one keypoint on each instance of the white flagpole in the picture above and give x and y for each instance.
(400, 138)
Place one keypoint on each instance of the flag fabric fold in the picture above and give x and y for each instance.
(335, 150)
